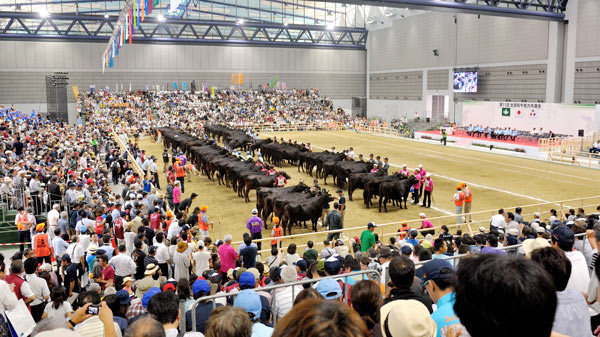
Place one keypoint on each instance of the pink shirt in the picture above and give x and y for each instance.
(428, 184)
(426, 224)
(423, 172)
(405, 172)
(176, 195)
(228, 256)
(418, 184)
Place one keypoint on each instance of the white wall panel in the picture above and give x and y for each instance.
(588, 27)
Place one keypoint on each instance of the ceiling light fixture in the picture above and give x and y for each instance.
(160, 18)
(240, 21)
(285, 24)
(106, 16)
(330, 25)
(44, 13)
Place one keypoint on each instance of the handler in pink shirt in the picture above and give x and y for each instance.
(405, 172)
(426, 225)
(228, 255)
(177, 195)
(428, 183)
(416, 187)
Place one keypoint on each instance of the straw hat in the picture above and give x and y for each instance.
(150, 269)
(182, 246)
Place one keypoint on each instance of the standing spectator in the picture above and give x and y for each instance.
(21, 287)
(276, 232)
(201, 259)
(149, 281)
(367, 238)
(162, 253)
(176, 195)
(254, 225)
(227, 254)
(42, 245)
(70, 277)
(248, 253)
(123, 265)
(108, 273)
(38, 286)
(59, 245)
(181, 261)
(203, 222)
(342, 203)
(468, 200)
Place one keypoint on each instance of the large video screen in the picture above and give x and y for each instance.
(465, 81)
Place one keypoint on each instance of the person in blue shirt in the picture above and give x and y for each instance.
(440, 280)
(412, 239)
(148, 184)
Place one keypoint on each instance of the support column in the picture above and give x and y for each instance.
(554, 72)
(570, 47)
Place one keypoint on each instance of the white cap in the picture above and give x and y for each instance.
(254, 211)
(420, 165)
(536, 214)
(403, 165)
(422, 215)
(427, 175)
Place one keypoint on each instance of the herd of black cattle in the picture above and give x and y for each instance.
(293, 204)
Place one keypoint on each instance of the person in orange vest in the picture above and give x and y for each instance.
(24, 222)
(276, 232)
(468, 199)
(41, 244)
(403, 231)
(280, 181)
(458, 199)
(180, 173)
(203, 222)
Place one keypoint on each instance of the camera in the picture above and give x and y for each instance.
(93, 309)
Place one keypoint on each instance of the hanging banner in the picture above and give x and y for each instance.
(75, 91)
(240, 78)
(184, 86)
(212, 92)
(233, 79)
(175, 86)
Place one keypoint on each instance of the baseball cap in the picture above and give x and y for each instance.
(563, 235)
(406, 318)
(385, 251)
(302, 264)
(123, 296)
(530, 245)
(329, 289)
(200, 285)
(249, 300)
(432, 270)
(169, 287)
(332, 266)
(540, 229)
(254, 211)
(148, 295)
(247, 278)
(371, 225)
(406, 250)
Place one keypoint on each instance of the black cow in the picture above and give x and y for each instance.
(395, 190)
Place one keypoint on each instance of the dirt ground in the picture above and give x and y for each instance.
(495, 181)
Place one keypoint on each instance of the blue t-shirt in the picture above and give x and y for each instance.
(445, 315)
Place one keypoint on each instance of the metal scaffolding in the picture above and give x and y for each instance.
(99, 28)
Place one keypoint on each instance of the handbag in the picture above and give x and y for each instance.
(21, 320)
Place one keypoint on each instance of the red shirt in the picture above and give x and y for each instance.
(118, 227)
(108, 273)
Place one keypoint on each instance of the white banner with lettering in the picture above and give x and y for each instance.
(562, 119)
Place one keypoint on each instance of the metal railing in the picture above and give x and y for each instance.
(212, 298)
(449, 220)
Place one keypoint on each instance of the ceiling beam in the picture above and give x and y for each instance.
(463, 7)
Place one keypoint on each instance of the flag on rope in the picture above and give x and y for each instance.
(134, 13)
(130, 27)
(142, 10)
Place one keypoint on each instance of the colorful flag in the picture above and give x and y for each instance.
(533, 113)
(506, 112)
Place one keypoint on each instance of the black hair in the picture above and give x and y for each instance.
(402, 272)
(58, 296)
(483, 277)
(260, 267)
(445, 228)
(438, 244)
(30, 265)
(160, 236)
(518, 210)
(492, 240)
(247, 240)
(138, 243)
(463, 249)
(310, 244)
(164, 306)
(274, 251)
(291, 249)
(425, 255)
(556, 263)
(113, 302)
(16, 267)
(104, 257)
(89, 297)
(352, 263)
(193, 195)
(510, 215)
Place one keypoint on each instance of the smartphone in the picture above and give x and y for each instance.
(93, 309)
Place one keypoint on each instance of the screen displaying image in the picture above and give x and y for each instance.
(465, 81)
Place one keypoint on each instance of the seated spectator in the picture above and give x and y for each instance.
(306, 294)
(440, 280)
(310, 254)
(402, 275)
(250, 301)
(485, 277)
(563, 238)
(366, 301)
(440, 247)
(319, 318)
(200, 288)
(146, 326)
(283, 297)
(406, 318)
(229, 321)
(58, 306)
(572, 316)
(164, 307)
